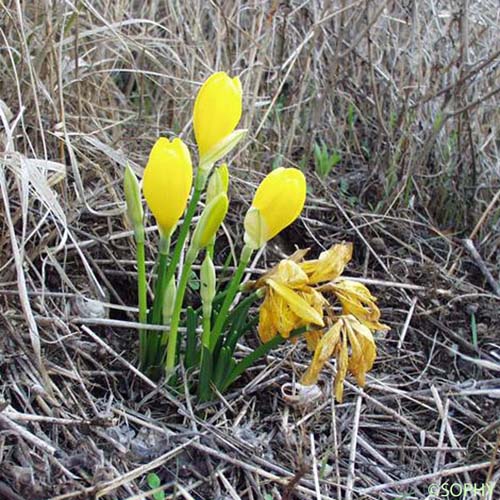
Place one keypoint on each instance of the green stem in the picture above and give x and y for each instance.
(205, 336)
(141, 293)
(161, 280)
(201, 179)
(179, 298)
(232, 290)
(206, 356)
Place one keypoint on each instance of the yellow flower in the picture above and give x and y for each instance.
(330, 264)
(294, 299)
(217, 111)
(289, 303)
(278, 201)
(347, 331)
(357, 300)
(167, 182)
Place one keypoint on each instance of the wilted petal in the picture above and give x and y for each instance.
(330, 264)
(312, 338)
(342, 365)
(324, 350)
(290, 274)
(367, 343)
(297, 304)
(267, 329)
(357, 364)
(285, 320)
(357, 300)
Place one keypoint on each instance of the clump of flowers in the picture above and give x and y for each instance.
(296, 294)
(295, 291)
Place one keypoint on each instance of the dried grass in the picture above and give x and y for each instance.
(405, 91)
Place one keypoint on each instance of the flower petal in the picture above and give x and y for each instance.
(297, 304)
(330, 264)
(342, 365)
(217, 110)
(167, 181)
(279, 200)
(357, 300)
(324, 350)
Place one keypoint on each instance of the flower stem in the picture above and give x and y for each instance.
(161, 281)
(174, 325)
(206, 356)
(232, 290)
(200, 181)
(141, 293)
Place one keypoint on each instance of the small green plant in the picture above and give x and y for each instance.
(155, 482)
(324, 161)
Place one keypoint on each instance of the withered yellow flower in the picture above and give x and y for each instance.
(278, 201)
(294, 289)
(347, 331)
(357, 300)
(217, 111)
(289, 302)
(330, 264)
(167, 182)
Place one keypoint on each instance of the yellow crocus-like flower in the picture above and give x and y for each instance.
(167, 182)
(217, 111)
(278, 201)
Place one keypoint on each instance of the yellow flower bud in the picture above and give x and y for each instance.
(210, 221)
(133, 197)
(278, 201)
(217, 111)
(218, 183)
(167, 182)
(208, 281)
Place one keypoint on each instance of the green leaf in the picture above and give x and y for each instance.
(155, 482)
(221, 365)
(192, 354)
(259, 352)
(204, 391)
